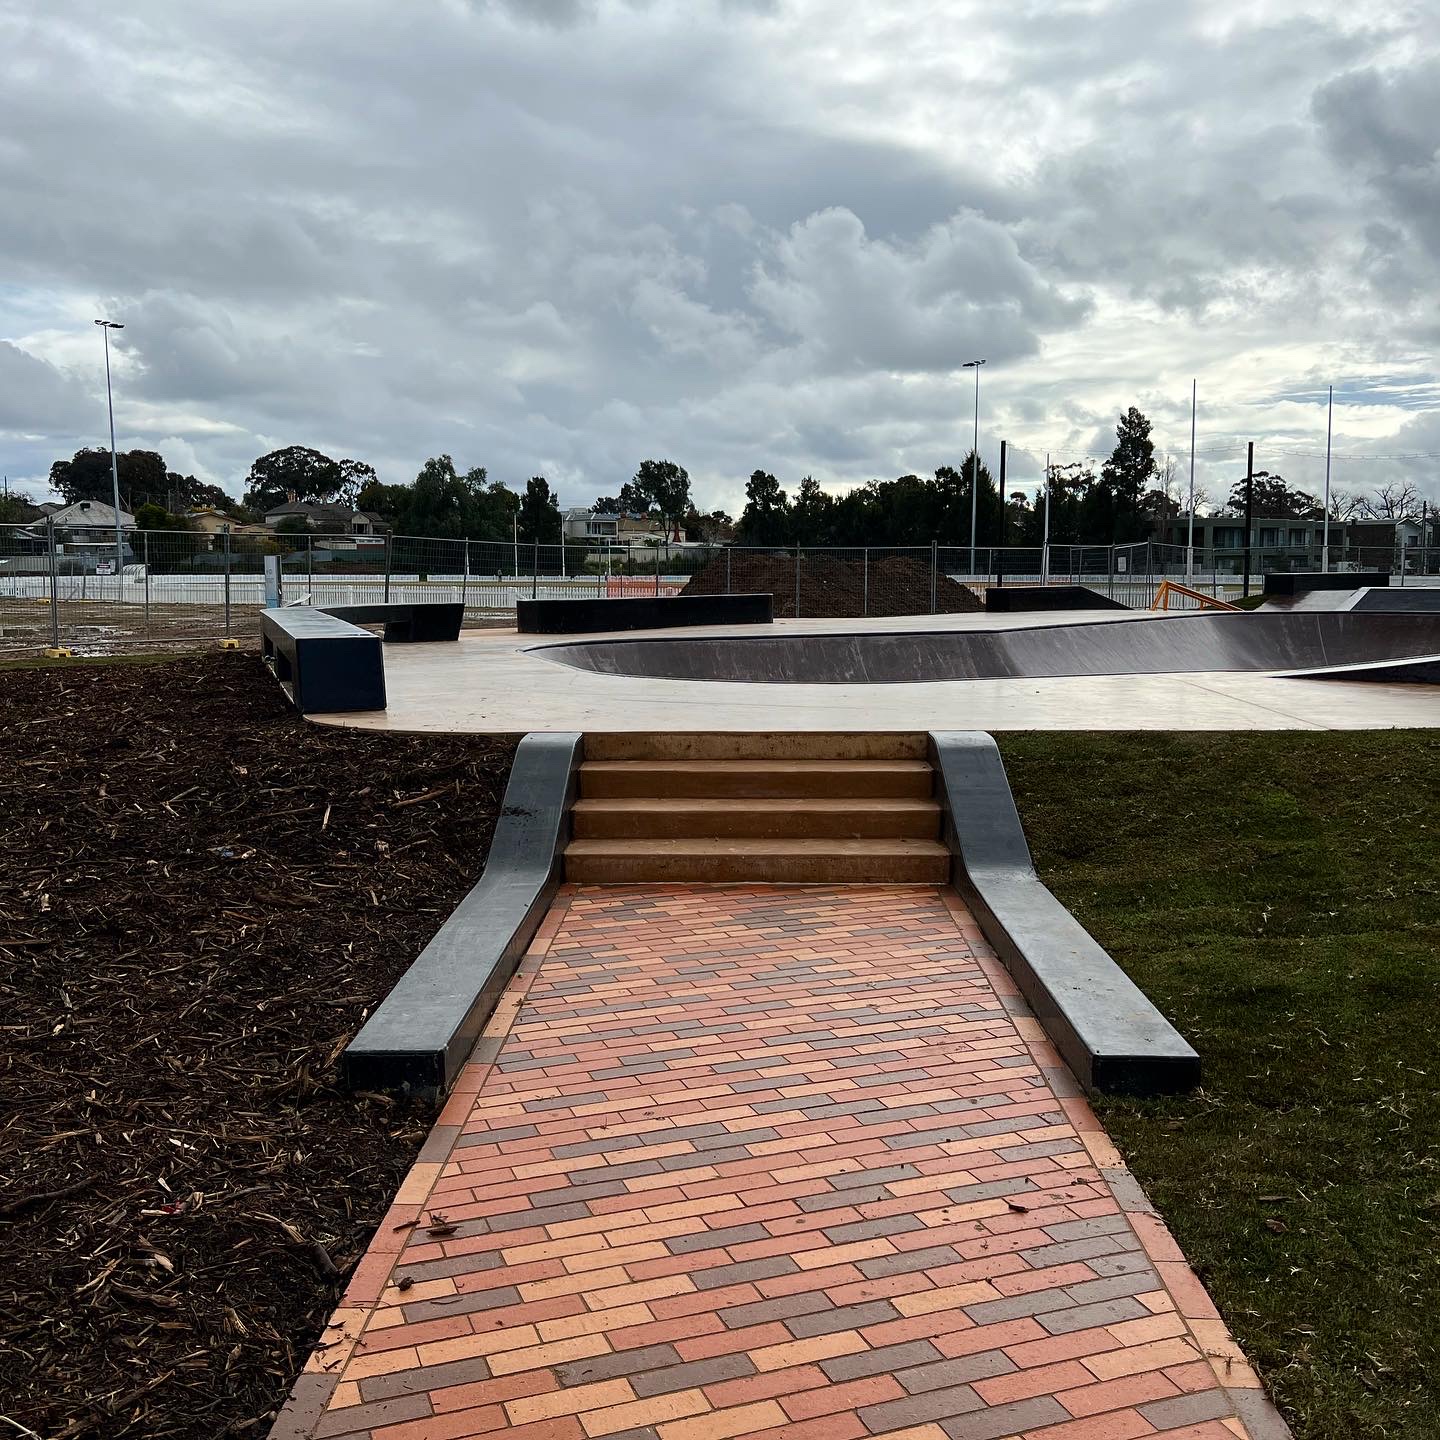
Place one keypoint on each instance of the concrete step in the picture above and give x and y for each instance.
(776, 862)
(758, 779)
(680, 817)
(765, 745)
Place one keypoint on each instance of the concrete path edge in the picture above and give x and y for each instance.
(425, 1029)
(1100, 1021)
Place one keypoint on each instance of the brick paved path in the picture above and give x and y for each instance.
(780, 1162)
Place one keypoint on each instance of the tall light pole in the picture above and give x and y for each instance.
(1329, 422)
(1190, 535)
(106, 326)
(975, 451)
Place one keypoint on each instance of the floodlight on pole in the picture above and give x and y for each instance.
(106, 326)
(975, 452)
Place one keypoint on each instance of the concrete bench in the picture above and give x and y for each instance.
(406, 621)
(323, 663)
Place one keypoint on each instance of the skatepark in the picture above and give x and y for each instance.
(764, 1049)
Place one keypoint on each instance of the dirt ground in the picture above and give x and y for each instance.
(832, 587)
(201, 898)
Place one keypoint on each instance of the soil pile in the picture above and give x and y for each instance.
(201, 898)
(832, 587)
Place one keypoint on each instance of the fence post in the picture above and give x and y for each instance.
(225, 548)
(310, 565)
(388, 541)
(535, 571)
(145, 561)
(54, 586)
(727, 570)
(1110, 587)
(797, 582)
(934, 572)
(865, 580)
(464, 575)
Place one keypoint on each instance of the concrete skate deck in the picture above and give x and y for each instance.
(1288, 641)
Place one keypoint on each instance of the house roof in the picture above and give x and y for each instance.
(94, 513)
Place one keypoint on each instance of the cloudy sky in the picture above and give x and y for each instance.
(559, 236)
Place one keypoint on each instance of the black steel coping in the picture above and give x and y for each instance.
(1100, 1021)
(425, 1028)
(1008, 599)
(1297, 582)
(645, 612)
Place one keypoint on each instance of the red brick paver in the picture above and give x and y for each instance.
(782, 1162)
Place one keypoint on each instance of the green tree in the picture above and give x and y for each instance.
(1274, 499)
(316, 479)
(151, 516)
(86, 476)
(607, 505)
(811, 514)
(661, 485)
(765, 519)
(1113, 513)
(540, 513)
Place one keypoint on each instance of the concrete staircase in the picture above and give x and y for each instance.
(779, 809)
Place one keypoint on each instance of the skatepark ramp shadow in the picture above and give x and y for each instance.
(1285, 641)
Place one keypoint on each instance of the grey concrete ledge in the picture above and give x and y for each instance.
(1100, 1021)
(424, 1029)
(640, 612)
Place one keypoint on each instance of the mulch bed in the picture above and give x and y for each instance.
(201, 898)
(832, 587)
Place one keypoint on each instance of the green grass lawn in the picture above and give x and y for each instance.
(1278, 897)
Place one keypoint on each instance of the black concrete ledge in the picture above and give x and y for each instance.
(323, 663)
(1109, 1034)
(589, 617)
(1011, 599)
(421, 1034)
(406, 621)
(1297, 582)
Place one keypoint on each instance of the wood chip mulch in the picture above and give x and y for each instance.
(201, 898)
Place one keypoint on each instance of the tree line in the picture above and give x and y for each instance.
(1125, 500)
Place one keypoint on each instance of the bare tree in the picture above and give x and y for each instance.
(1399, 500)
(1345, 506)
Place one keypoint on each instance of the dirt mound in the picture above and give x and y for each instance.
(201, 898)
(833, 587)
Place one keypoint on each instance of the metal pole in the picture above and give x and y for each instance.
(515, 541)
(54, 586)
(975, 452)
(865, 571)
(535, 572)
(106, 326)
(310, 565)
(145, 542)
(1249, 511)
(1329, 422)
(727, 570)
(464, 575)
(1045, 533)
(1190, 535)
(225, 550)
(797, 582)
(934, 573)
(388, 541)
(1000, 557)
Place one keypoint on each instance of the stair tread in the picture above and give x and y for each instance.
(709, 767)
(763, 804)
(737, 845)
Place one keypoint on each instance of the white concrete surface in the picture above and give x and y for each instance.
(498, 682)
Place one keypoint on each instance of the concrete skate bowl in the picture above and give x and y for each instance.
(1400, 647)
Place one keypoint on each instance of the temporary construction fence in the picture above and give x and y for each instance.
(64, 586)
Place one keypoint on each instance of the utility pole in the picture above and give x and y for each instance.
(1249, 509)
(1190, 536)
(975, 451)
(1329, 423)
(106, 326)
(1000, 563)
(1045, 534)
